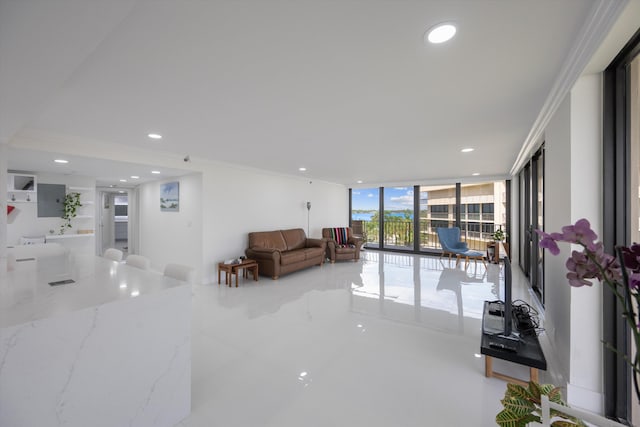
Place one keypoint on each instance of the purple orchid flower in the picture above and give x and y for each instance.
(548, 241)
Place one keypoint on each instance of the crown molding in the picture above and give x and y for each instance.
(601, 19)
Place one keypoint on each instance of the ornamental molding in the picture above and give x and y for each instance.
(601, 19)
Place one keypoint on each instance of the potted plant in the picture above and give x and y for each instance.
(522, 405)
(70, 204)
(499, 235)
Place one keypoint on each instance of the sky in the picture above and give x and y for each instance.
(395, 198)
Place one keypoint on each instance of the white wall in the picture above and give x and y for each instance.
(585, 388)
(573, 165)
(221, 205)
(557, 214)
(238, 200)
(24, 220)
(172, 237)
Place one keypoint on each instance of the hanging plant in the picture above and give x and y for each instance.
(71, 204)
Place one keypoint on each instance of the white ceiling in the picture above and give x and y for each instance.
(345, 88)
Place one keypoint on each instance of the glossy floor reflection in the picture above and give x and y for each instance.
(391, 340)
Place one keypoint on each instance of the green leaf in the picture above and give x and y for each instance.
(546, 388)
(518, 406)
(563, 423)
(534, 390)
(507, 418)
(574, 421)
(555, 396)
(516, 390)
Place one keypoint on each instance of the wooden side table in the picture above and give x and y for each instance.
(232, 269)
(496, 250)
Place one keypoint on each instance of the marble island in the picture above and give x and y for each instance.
(111, 348)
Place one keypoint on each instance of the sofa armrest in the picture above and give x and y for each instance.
(353, 240)
(316, 243)
(263, 253)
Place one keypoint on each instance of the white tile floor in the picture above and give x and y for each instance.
(391, 340)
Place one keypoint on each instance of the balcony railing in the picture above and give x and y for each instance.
(401, 234)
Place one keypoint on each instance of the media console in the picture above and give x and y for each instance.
(523, 349)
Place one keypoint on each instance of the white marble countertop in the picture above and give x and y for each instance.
(25, 293)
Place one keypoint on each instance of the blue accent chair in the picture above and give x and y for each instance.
(450, 241)
(452, 245)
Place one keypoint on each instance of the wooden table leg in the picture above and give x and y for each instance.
(218, 276)
(533, 372)
(255, 273)
(488, 366)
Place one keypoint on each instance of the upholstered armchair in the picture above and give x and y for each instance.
(341, 244)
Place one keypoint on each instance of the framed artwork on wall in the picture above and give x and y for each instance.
(170, 197)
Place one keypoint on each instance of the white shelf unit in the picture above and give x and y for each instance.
(67, 236)
(21, 188)
(86, 212)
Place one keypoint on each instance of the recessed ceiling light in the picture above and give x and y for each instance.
(154, 136)
(302, 169)
(467, 150)
(121, 191)
(61, 161)
(123, 180)
(135, 177)
(475, 173)
(440, 33)
(155, 172)
(359, 181)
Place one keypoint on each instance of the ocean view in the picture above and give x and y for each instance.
(366, 216)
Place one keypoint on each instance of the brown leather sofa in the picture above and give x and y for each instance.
(342, 246)
(284, 251)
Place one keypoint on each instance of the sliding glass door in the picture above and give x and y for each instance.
(531, 180)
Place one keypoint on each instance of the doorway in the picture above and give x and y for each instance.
(117, 225)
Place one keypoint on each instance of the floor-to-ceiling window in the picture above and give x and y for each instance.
(621, 215)
(398, 218)
(531, 181)
(483, 211)
(411, 215)
(365, 207)
(437, 209)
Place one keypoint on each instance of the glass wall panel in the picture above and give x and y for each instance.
(365, 211)
(634, 137)
(437, 209)
(398, 218)
(483, 209)
(634, 178)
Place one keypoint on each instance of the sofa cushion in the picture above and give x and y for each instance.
(345, 248)
(340, 235)
(291, 257)
(267, 240)
(294, 238)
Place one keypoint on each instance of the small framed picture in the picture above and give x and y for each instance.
(170, 197)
